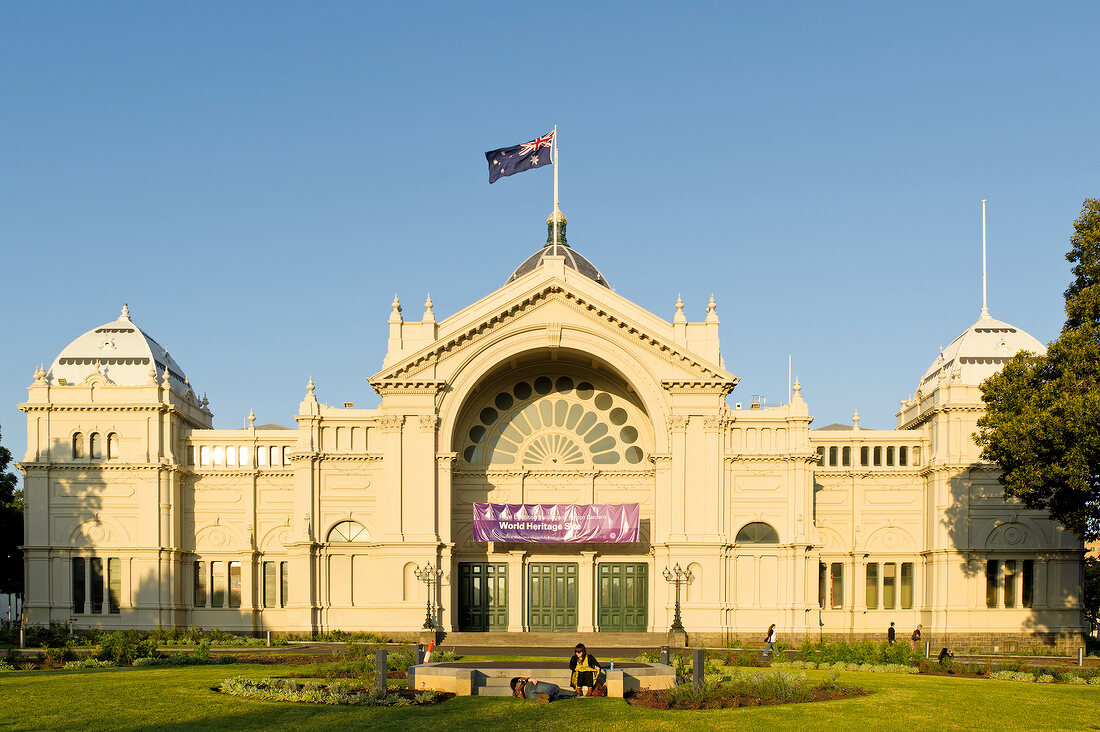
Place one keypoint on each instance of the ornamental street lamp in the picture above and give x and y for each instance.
(429, 576)
(678, 577)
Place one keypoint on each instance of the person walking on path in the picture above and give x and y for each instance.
(916, 634)
(890, 634)
(769, 641)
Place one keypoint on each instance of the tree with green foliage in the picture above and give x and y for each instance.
(11, 528)
(1042, 420)
(1090, 585)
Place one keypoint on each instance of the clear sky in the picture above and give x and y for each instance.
(257, 179)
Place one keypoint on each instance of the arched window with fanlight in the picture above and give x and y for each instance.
(78, 446)
(347, 532)
(757, 532)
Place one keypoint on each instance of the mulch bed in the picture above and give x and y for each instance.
(281, 659)
(649, 699)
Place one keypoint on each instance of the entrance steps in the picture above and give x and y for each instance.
(557, 641)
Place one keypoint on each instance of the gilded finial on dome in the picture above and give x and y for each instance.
(556, 214)
(556, 221)
(125, 312)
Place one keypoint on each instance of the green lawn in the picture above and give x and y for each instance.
(180, 698)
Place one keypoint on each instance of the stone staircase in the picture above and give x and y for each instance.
(559, 642)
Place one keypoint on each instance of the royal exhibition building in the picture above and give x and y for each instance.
(550, 403)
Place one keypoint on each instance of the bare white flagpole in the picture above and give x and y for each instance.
(555, 161)
(985, 309)
(788, 378)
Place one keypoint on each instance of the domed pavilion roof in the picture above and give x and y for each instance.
(121, 352)
(979, 352)
(559, 248)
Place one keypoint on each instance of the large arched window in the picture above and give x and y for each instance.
(757, 532)
(348, 531)
(78, 445)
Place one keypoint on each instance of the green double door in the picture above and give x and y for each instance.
(552, 596)
(623, 597)
(482, 596)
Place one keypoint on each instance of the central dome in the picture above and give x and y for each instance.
(557, 246)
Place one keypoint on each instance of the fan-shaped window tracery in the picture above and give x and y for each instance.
(348, 531)
(554, 422)
(757, 532)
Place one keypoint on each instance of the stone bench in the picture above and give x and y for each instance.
(491, 678)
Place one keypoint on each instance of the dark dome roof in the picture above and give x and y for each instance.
(573, 259)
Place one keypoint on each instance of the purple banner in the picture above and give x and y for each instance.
(556, 523)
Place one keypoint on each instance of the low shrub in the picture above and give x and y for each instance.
(185, 659)
(1012, 676)
(338, 692)
(5, 666)
(123, 649)
(89, 663)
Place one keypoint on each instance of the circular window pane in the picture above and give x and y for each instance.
(627, 434)
(543, 385)
(488, 415)
(617, 416)
(603, 400)
(585, 390)
(564, 384)
(477, 433)
(522, 390)
(472, 453)
(633, 455)
(503, 400)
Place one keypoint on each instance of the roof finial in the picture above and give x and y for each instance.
(712, 316)
(679, 317)
(251, 417)
(855, 420)
(310, 387)
(125, 312)
(310, 396)
(164, 379)
(39, 375)
(395, 314)
(429, 316)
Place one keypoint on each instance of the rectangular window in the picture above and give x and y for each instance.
(204, 455)
(864, 456)
(271, 588)
(1027, 592)
(78, 585)
(95, 575)
(890, 455)
(820, 454)
(821, 583)
(916, 456)
(284, 581)
(114, 585)
(889, 584)
(836, 595)
(261, 456)
(846, 456)
(217, 584)
(872, 585)
(234, 584)
(992, 569)
(1010, 583)
(907, 585)
(903, 455)
(832, 456)
(878, 456)
(200, 584)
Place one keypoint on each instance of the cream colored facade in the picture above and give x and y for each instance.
(552, 389)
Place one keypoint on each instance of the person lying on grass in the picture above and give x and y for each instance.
(542, 691)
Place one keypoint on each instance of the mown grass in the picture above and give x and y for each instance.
(161, 698)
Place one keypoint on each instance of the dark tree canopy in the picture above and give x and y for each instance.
(1042, 420)
(11, 527)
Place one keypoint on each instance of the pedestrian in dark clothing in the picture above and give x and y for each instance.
(542, 691)
(916, 634)
(586, 670)
(890, 634)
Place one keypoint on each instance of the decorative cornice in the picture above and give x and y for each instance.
(428, 422)
(425, 387)
(390, 423)
(551, 292)
(699, 386)
(677, 423)
(771, 458)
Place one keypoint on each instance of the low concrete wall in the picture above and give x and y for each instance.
(490, 678)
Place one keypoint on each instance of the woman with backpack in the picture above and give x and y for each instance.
(769, 640)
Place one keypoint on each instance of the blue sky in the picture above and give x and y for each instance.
(257, 179)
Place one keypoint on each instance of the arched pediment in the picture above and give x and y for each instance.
(831, 540)
(1011, 535)
(99, 532)
(219, 537)
(891, 539)
(275, 539)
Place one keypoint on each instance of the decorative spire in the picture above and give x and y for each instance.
(679, 317)
(152, 375)
(40, 375)
(797, 386)
(164, 378)
(205, 401)
(251, 418)
(712, 316)
(556, 216)
(395, 314)
(310, 387)
(429, 316)
(125, 312)
(855, 420)
(310, 396)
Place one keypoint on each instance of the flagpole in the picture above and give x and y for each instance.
(985, 310)
(555, 213)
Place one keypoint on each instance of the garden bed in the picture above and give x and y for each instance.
(744, 690)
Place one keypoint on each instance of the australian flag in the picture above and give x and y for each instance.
(518, 158)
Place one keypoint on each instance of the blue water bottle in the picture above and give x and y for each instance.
(612, 665)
